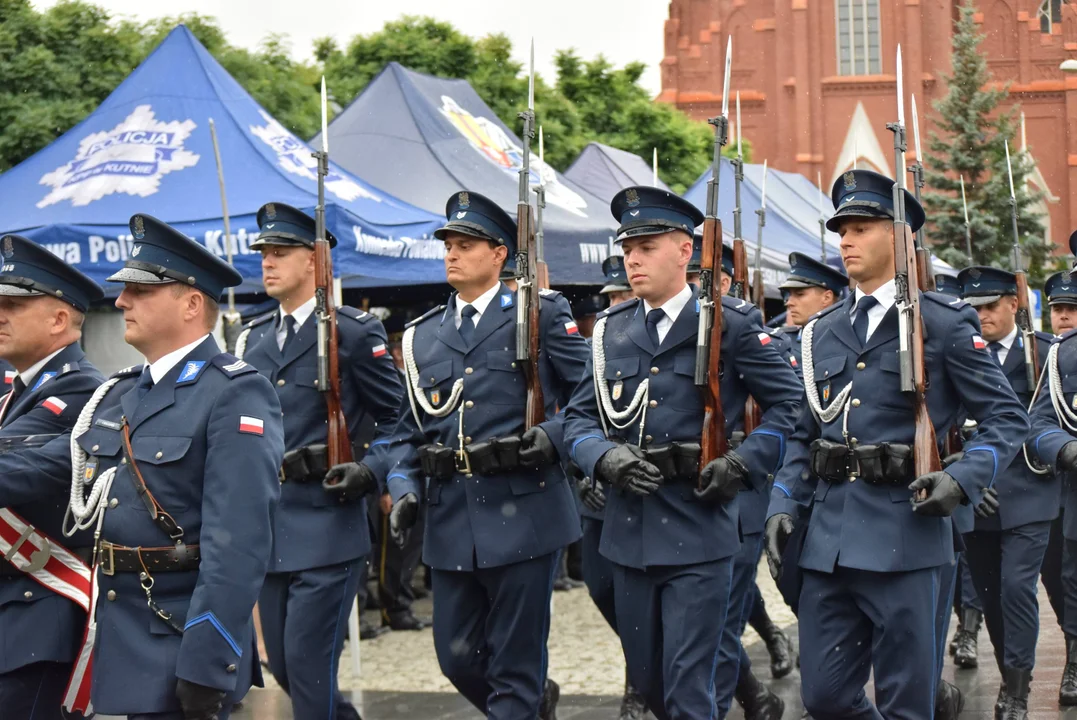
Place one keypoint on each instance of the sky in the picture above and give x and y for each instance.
(622, 30)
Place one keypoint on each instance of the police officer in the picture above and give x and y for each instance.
(320, 530)
(43, 302)
(1005, 551)
(498, 505)
(874, 546)
(188, 449)
(811, 287)
(617, 287)
(1053, 432)
(670, 532)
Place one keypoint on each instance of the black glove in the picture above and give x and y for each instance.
(624, 468)
(952, 458)
(198, 701)
(350, 481)
(943, 494)
(988, 506)
(593, 498)
(1067, 457)
(402, 518)
(776, 534)
(536, 449)
(722, 479)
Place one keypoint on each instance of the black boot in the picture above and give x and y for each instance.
(758, 701)
(1016, 703)
(632, 705)
(957, 633)
(948, 701)
(966, 638)
(550, 695)
(1067, 693)
(782, 655)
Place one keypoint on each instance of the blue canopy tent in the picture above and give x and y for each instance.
(604, 171)
(422, 138)
(148, 149)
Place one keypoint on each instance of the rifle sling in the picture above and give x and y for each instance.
(160, 517)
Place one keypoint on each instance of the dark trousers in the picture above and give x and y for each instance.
(671, 619)
(490, 632)
(35, 692)
(1005, 566)
(949, 582)
(396, 567)
(965, 594)
(853, 622)
(597, 571)
(1069, 585)
(1051, 571)
(742, 598)
(304, 623)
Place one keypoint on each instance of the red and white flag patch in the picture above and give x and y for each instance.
(978, 342)
(54, 405)
(793, 360)
(764, 338)
(571, 329)
(251, 425)
(378, 351)
(9, 376)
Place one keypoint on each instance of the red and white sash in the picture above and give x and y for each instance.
(55, 567)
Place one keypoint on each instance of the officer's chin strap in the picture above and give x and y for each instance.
(607, 413)
(84, 510)
(841, 400)
(415, 393)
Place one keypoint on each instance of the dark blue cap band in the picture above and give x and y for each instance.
(29, 269)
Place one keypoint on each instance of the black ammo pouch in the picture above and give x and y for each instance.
(885, 464)
(437, 462)
(830, 460)
(305, 465)
(496, 455)
(676, 461)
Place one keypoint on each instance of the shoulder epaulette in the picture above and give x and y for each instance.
(621, 307)
(1046, 336)
(429, 313)
(742, 306)
(259, 320)
(789, 329)
(354, 313)
(127, 372)
(232, 366)
(69, 368)
(946, 300)
(549, 294)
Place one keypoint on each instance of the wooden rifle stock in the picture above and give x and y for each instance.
(534, 277)
(338, 443)
(713, 439)
(1028, 334)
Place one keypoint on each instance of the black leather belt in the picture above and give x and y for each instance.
(119, 558)
(884, 464)
(85, 554)
(305, 465)
(676, 460)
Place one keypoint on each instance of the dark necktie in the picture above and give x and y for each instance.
(653, 318)
(860, 324)
(996, 348)
(17, 389)
(467, 325)
(145, 382)
(289, 332)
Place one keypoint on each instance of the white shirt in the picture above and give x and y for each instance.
(1007, 345)
(31, 372)
(480, 303)
(885, 295)
(300, 314)
(672, 309)
(160, 368)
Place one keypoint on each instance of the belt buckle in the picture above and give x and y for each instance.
(108, 567)
(852, 466)
(280, 475)
(463, 461)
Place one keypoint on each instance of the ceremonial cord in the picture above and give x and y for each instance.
(1052, 358)
(620, 419)
(241, 344)
(840, 403)
(415, 393)
(87, 510)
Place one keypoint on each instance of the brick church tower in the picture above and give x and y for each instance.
(817, 79)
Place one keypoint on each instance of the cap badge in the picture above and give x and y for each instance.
(632, 197)
(975, 274)
(1066, 278)
(136, 251)
(850, 180)
(463, 200)
(139, 227)
(461, 215)
(9, 248)
(271, 211)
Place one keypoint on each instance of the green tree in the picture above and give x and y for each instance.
(972, 145)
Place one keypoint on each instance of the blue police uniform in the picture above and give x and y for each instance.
(807, 272)
(672, 553)
(871, 564)
(491, 539)
(206, 439)
(40, 629)
(319, 541)
(1005, 552)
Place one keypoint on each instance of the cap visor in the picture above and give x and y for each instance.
(980, 300)
(614, 288)
(464, 229)
(17, 290)
(791, 283)
(1063, 300)
(644, 230)
(139, 277)
(278, 240)
(850, 211)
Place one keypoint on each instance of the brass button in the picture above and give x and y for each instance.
(853, 441)
(467, 439)
(468, 476)
(280, 383)
(618, 373)
(654, 371)
(856, 402)
(159, 455)
(230, 668)
(542, 484)
(123, 461)
(852, 478)
(27, 594)
(653, 403)
(94, 448)
(366, 446)
(514, 365)
(469, 404)
(648, 438)
(113, 503)
(111, 594)
(468, 371)
(860, 366)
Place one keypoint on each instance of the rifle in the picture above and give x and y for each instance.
(926, 276)
(753, 414)
(531, 273)
(1024, 313)
(709, 340)
(739, 287)
(338, 444)
(822, 220)
(968, 228)
(907, 301)
(231, 322)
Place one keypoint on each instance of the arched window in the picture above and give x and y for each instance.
(1050, 13)
(859, 50)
